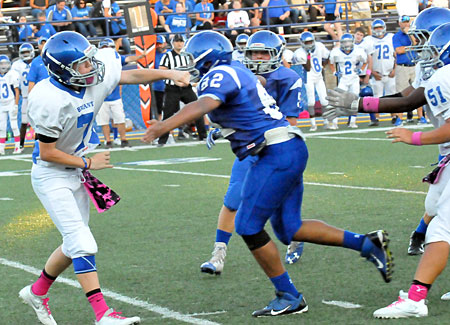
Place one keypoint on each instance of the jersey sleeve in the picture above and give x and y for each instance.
(333, 56)
(43, 118)
(437, 93)
(221, 84)
(299, 56)
(290, 97)
(325, 53)
(32, 74)
(288, 55)
(14, 78)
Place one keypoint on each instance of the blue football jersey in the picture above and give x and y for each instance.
(246, 107)
(285, 86)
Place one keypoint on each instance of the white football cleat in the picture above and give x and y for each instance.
(217, 261)
(313, 128)
(446, 296)
(39, 305)
(117, 142)
(17, 151)
(112, 317)
(403, 308)
(353, 126)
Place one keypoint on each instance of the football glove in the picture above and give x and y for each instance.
(339, 98)
(213, 135)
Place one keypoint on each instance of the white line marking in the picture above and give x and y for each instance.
(308, 183)
(315, 134)
(351, 138)
(5, 199)
(343, 304)
(165, 312)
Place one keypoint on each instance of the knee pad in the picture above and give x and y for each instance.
(84, 264)
(257, 240)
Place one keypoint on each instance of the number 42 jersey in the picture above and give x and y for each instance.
(246, 109)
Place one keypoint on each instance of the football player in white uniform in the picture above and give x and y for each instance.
(22, 67)
(347, 59)
(435, 92)
(80, 79)
(241, 43)
(9, 101)
(313, 55)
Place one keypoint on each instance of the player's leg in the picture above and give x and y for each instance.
(102, 120)
(354, 88)
(311, 101)
(15, 128)
(24, 122)
(118, 116)
(225, 224)
(322, 94)
(3, 126)
(274, 178)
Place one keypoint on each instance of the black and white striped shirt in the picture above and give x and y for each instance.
(172, 60)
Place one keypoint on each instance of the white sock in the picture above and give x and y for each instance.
(352, 119)
(313, 121)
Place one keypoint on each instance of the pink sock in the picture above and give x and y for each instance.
(417, 292)
(98, 304)
(16, 139)
(41, 286)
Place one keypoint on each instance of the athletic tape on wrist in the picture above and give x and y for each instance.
(415, 139)
(370, 104)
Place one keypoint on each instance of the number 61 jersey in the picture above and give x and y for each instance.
(246, 109)
(57, 111)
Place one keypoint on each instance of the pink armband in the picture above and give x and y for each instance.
(308, 56)
(415, 139)
(370, 104)
(368, 72)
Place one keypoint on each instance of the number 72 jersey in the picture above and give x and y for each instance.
(246, 109)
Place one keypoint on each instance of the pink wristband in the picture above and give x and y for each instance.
(415, 139)
(370, 104)
(368, 72)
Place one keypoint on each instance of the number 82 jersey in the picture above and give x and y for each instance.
(246, 107)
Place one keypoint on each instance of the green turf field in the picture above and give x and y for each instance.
(152, 243)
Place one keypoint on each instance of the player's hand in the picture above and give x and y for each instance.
(400, 135)
(329, 113)
(343, 99)
(213, 135)
(376, 75)
(181, 78)
(153, 131)
(338, 74)
(101, 160)
(392, 74)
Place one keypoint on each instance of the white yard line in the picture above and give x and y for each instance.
(307, 183)
(164, 312)
(342, 304)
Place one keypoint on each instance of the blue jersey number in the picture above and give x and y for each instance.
(24, 77)
(436, 99)
(383, 50)
(348, 67)
(317, 65)
(81, 122)
(5, 90)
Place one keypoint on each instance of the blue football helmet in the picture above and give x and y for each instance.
(366, 92)
(204, 51)
(263, 41)
(347, 42)
(26, 52)
(283, 41)
(376, 24)
(5, 64)
(106, 42)
(308, 41)
(64, 51)
(436, 52)
(422, 27)
(241, 41)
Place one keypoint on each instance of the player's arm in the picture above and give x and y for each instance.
(133, 58)
(190, 112)
(16, 95)
(145, 76)
(436, 136)
(48, 152)
(30, 86)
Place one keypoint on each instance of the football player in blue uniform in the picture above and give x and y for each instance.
(263, 56)
(249, 118)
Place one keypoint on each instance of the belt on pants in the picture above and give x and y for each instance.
(282, 134)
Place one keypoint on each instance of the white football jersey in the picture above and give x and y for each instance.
(437, 93)
(367, 47)
(383, 53)
(8, 82)
(348, 63)
(418, 81)
(288, 55)
(22, 68)
(59, 112)
(237, 56)
(319, 54)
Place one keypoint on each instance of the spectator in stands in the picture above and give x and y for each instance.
(188, 5)
(179, 22)
(38, 6)
(164, 7)
(25, 31)
(237, 21)
(405, 71)
(361, 10)
(38, 71)
(278, 15)
(118, 24)
(58, 14)
(97, 12)
(81, 11)
(332, 12)
(255, 15)
(407, 8)
(204, 18)
(159, 86)
(43, 28)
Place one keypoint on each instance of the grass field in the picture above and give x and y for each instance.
(152, 243)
